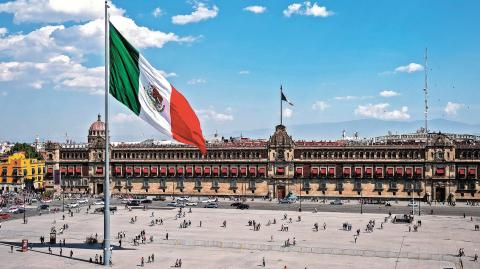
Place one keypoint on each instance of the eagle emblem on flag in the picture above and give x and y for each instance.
(156, 99)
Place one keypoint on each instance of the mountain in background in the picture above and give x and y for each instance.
(366, 128)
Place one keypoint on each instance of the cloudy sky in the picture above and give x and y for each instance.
(337, 61)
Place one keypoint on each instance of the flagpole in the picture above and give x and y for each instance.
(281, 113)
(106, 184)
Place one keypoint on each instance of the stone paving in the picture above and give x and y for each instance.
(238, 246)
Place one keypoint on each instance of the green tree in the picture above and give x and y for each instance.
(30, 151)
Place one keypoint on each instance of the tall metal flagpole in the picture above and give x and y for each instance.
(106, 184)
(281, 111)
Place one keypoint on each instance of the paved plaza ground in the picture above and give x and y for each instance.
(238, 246)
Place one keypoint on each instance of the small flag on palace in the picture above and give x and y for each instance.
(140, 87)
(284, 98)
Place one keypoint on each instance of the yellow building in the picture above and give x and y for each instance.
(18, 172)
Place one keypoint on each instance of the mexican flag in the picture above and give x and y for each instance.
(140, 87)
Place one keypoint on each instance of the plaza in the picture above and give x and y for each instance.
(210, 244)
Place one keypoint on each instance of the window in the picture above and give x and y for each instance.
(180, 183)
(251, 184)
(233, 184)
(418, 186)
(129, 183)
(378, 185)
(215, 183)
(392, 185)
(323, 185)
(339, 186)
(306, 184)
(145, 183)
(198, 183)
(163, 183)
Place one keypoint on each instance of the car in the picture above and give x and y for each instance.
(387, 203)
(209, 200)
(285, 201)
(174, 204)
(159, 198)
(72, 205)
(82, 201)
(236, 204)
(146, 201)
(13, 209)
(133, 203)
(336, 202)
(101, 209)
(243, 206)
(211, 205)
(99, 202)
(183, 198)
(126, 200)
(191, 204)
(43, 207)
(46, 201)
(414, 204)
(33, 200)
(5, 216)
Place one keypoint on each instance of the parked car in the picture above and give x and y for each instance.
(191, 204)
(174, 204)
(13, 209)
(183, 198)
(285, 201)
(412, 203)
(159, 198)
(101, 209)
(83, 201)
(99, 202)
(212, 200)
(126, 200)
(336, 202)
(43, 207)
(47, 201)
(211, 205)
(72, 205)
(387, 203)
(133, 203)
(243, 206)
(236, 204)
(33, 200)
(146, 201)
(5, 216)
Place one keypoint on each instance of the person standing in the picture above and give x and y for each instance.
(142, 262)
(263, 261)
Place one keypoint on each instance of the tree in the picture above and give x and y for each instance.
(30, 151)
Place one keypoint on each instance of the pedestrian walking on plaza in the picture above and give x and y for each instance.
(11, 249)
(100, 258)
(50, 250)
(475, 257)
(71, 253)
(120, 242)
(96, 258)
(166, 236)
(464, 216)
(263, 261)
(324, 226)
(61, 251)
(409, 228)
(142, 262)
(153, 257)
(355, 237)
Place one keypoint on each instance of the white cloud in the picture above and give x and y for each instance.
(380, 111)
(3, 93)
(320, 105)
(244, 72)
(3, 31)
(287, 113)
(201, 12)
(256, 9)
(351, 97)
(168, 75)
(57, 11)
(452, 108)
(123, 117)
(388, 93)
(212, 115)
(307, 9)
(196, 81)
(157, 12)
(409, 68)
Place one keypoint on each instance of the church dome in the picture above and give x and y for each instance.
(98, 125)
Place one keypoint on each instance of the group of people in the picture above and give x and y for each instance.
(256, 225)
(150, 259)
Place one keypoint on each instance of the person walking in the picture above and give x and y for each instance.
(71, 253)
(153, 257)
(142, 262)
(263, 261)
(11, 249)
(166, 236)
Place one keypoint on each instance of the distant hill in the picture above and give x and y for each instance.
(365, 128)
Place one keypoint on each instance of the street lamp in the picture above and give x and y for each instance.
(361, 200)
(300, 207)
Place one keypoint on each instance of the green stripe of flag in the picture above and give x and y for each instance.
(124, 71)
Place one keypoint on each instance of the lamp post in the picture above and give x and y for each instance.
(361, 200)
(300, 200)
(24, 208)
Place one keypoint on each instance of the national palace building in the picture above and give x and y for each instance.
(433, 166)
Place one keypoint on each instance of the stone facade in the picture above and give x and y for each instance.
(432, 166)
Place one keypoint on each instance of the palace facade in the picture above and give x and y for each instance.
(19, 172)
(432, 166)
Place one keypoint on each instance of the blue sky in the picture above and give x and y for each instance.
(337, 61)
